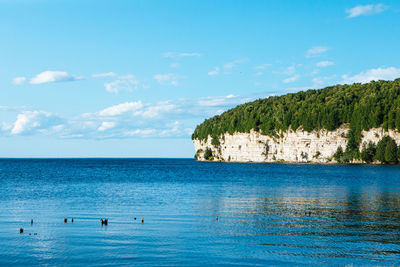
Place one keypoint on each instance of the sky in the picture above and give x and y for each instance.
(133, 78)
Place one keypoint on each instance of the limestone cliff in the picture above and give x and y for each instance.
(290, 146)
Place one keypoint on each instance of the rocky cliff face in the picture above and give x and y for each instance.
(291, 146)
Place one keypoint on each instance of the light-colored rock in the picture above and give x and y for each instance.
(376, 134)
(291, 146)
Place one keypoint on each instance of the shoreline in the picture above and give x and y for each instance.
(297, 163)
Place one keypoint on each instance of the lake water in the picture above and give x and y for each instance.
(268, 214)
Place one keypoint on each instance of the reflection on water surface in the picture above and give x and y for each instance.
(268, 213)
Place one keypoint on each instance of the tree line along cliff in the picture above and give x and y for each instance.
(360, 106)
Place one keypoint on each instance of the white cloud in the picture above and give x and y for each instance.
(19, 80)
(5, 126)
(389, 73)
(365, 10)
(316, 51)
(142, 132)
(136, 117)
(292, 78)
(213, 72)
(23, 121)
(319, 82)
(121, 108)
(175, 129)
(263, 66)
(291, 73)
(34, 120)
(315, 72)
(105, 125)
(151, 120)
(53, 76)
(214, 104)
(171, 118)
(174, 65)
(232, 64)
(14, 108)
(58, 128)
(123, 83)
(155, 111)
(290, 70)
(227, 66)
(127, 76)
(136, 109)
(106, 74)
(167, 79)
(180, 55)
(323, 64)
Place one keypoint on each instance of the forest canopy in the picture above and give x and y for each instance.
(362, 106)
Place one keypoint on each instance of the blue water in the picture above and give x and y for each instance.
(269, 214)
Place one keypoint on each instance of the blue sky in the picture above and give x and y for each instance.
(134, 78)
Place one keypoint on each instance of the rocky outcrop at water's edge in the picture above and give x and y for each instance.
(290, 146)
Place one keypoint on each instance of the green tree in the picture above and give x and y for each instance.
(381, 149)
(359, 106)
(208, 154)
(215, 141)
(338, 156)
(398, 153)
(391, 151)
(397, 121)
(386, 150)
(391, 119)
(368, 152)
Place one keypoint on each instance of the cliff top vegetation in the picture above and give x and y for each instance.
(362, 106)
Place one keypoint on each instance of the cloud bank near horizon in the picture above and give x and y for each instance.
(135, 119)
